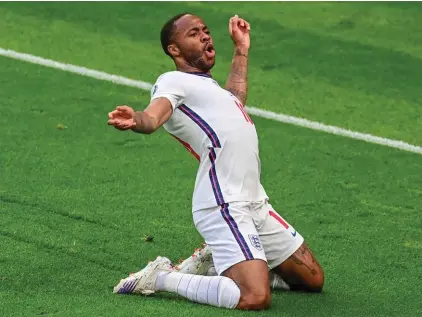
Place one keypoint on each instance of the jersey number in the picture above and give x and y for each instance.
(242, 109)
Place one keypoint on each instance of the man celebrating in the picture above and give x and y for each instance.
(246, 236)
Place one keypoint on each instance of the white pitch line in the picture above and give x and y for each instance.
(252, 110)
(335, 130)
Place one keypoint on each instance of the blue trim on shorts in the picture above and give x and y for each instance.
(236, 232)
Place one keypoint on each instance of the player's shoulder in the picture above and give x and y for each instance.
(169, 82)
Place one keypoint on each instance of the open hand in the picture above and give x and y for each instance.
(122, 118)
(239, 31)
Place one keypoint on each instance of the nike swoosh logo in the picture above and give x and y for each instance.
(293, 233)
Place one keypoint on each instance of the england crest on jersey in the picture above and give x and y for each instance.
(255, 241)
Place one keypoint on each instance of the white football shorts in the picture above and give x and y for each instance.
(242, 231)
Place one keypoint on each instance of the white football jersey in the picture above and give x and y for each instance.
(213, 125)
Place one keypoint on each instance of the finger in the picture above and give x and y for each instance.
(234, 22)
(116, 122)
(111, 122)
(241, 23)
(248, 26)
(125, 126)
(120, 126)
(123, 108)
(112, 114)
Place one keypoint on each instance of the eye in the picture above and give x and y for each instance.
(193, 34)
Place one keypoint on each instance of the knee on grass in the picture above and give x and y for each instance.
(253, 301)
(316, 283)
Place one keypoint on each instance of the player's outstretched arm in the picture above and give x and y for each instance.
(237, 82)
(146, 122)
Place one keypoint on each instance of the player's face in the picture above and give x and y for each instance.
(195, 42)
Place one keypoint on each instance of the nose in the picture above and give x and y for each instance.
(205, 37)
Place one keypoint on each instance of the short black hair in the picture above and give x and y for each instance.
(167, 32)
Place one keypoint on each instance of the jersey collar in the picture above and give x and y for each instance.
(200, 74)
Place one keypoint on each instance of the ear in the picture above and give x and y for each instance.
(173, 50)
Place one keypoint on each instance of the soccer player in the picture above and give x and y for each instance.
(231, 209)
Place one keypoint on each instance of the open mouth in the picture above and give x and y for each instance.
(209, 50)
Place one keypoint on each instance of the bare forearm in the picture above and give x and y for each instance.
(144, 123)
(237, 82)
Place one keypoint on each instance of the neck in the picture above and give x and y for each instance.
(185, 68)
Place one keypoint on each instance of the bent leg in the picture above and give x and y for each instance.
(219, 291)
(237, 252)
(159, 275)
(243, 286)
(252, 278)
(301, 271)
(287, 254)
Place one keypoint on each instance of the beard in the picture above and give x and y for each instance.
(197, 60)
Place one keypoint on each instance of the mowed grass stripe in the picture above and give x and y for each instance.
(256, 111)
(378, 24)
(334, 80)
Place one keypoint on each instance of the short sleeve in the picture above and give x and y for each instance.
(169, 86)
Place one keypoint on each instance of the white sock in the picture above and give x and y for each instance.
(217, 291)
(276, 281)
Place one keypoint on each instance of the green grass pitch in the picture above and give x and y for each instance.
(76, 203)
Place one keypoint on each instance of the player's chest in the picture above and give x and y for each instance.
(207, 91)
